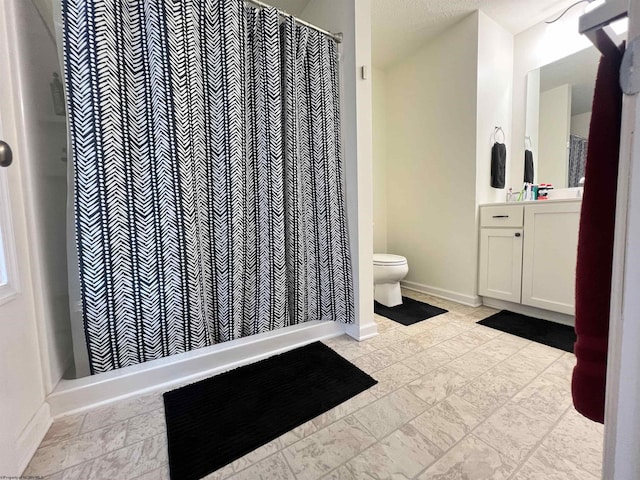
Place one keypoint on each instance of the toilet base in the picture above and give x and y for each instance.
(388, 294)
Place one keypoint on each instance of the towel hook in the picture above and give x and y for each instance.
(497, 130)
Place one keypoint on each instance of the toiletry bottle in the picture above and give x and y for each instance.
(510, 195)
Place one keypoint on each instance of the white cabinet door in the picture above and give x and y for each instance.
(549, 259)
(501, 263)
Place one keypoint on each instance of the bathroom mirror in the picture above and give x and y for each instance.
(559, 99)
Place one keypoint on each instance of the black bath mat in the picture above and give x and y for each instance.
(535, 329)
(411, 311)
(218, 420)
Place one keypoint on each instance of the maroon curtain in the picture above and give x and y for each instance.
(595, 245)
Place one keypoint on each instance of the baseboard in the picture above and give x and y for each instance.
(32, 435)
(82, 394)
(530, 311)
(462, 298)
(362, 331)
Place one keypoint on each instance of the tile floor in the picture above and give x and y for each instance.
(455, 400)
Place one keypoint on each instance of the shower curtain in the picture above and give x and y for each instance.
(577, 159)
(208, 179)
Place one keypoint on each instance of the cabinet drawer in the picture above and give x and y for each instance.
(502, 216)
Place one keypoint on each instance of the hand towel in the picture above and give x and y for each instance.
(528, 166)
(498, 164)
(595, 243)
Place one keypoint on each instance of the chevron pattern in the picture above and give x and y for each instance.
(208, 177)
(319, 267)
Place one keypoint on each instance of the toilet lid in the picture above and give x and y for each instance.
(388, 259)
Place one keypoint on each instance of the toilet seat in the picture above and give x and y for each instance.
(384, 259)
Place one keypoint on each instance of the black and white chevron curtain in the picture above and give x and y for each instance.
(208, 175)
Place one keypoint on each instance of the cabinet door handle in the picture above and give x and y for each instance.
(518, 234)
(501, 216)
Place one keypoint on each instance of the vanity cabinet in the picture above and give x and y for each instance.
(528, 253)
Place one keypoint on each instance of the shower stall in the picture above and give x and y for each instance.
(48, 171)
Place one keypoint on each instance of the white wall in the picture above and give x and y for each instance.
(532, 125)
(555, 123)
(540, 45)
(494, 107)
(431, 170)
(379, 161)
(580, 124)
(353, 19)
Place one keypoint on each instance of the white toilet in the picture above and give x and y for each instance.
(388, 271)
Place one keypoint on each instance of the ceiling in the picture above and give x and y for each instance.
(399, 27)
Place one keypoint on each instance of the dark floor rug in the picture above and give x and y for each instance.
(218, 420)
(535, 329)
(411, 311)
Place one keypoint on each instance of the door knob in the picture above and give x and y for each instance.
(6, 155)
(518, 234)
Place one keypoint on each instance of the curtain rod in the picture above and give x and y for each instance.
(335, 36)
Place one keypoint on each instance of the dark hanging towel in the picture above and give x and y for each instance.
(528, 166)
(595, 244)
(498, 162)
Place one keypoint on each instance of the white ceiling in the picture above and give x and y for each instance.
(399, 27)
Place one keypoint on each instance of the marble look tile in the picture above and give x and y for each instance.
(123, 410)
(419, 328)
(539, 352)
(543, 398)
(389, 413)
(77, 472)
(297, 434)
(479, 335)
(578, 440)
(499, 349)
(561, 370)
(405, 348)
(392, 378)
(519, 369)
(63, 429)
(220, 474)
(346, 408)
(401, 455)
(272, 468)
(258, 454)
(436, 385)
(544, 465)
(448, 421)
(489, 391)
(353, 349)
(459, 345)
(471, 459)
(324, 450)
(132, 461)
(145, 426)
(512, 431)
(161, 473)
(481, 313)
(385, 324)
(472, 364)
(429, 359)
(67, 453)
(379, 359)
(389, 338)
